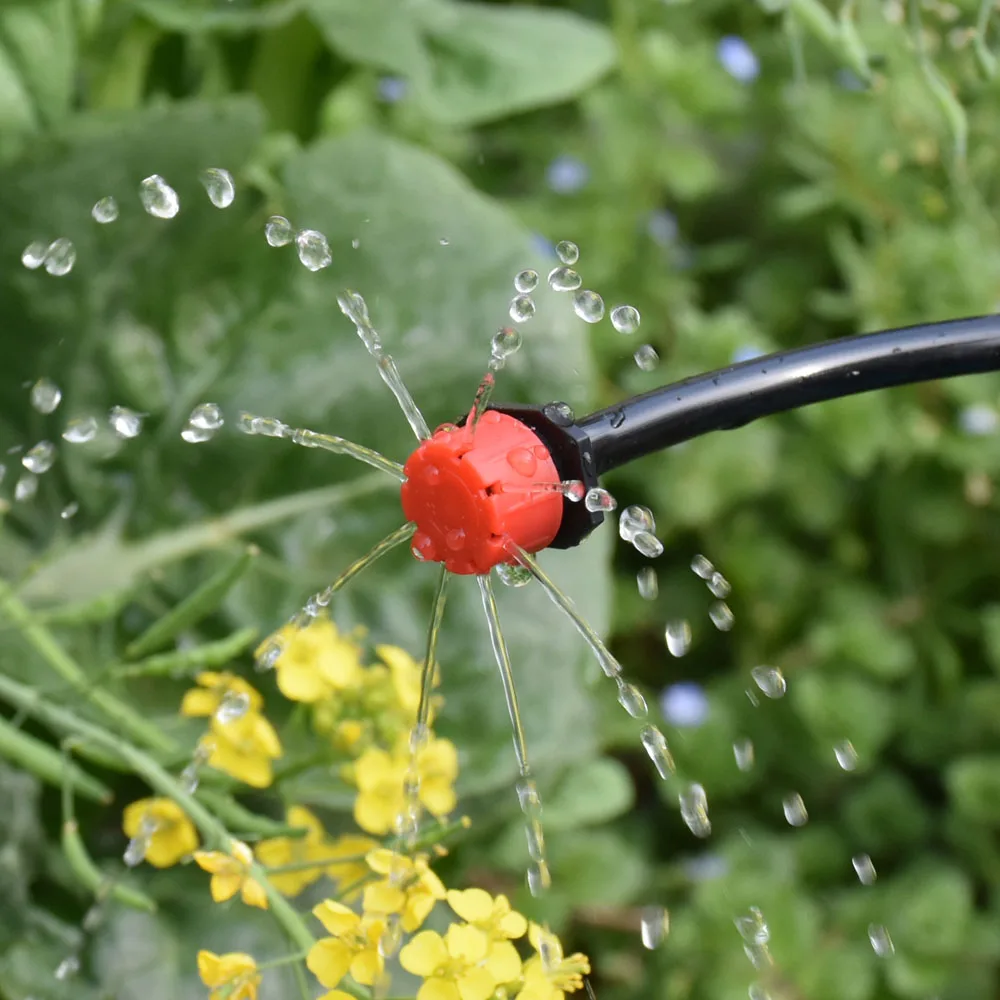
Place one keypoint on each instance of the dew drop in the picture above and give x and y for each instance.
(719, 585)
(219, 186)
(526, 281)
(634, 519)
(67, 968)
(794, 809)
(678, 637)
(702, 567)
(60, 257)
(694, 810)
(589, 306)
(625, 319)
(39, 458)
(506, 342)
(513, 576)
(647, 544)
(33, 255)
(80, 430)
(278, 231)
(522, 308)
(124, 422)
(564, 279)
(26, 487)
(630, 698)
(655, 745)
(646, 358)
(654, 925)
(314, 251)
(522, 461)
(882, 944)
(864, 869)
(560, 413)
(567, 252)
(648, 583)
(45, 395)
(234, 705)
(69, 510)
(847, 756)
(721, 616)
(158, 198)
(105, 210)
(744, 753)
(455, 539)
(598, 499)
(770, 680)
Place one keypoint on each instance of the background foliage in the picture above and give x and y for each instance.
(841, 179)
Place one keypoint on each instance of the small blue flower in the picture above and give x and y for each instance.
(662, 228)
(979, 419)
(746, 353)
(567, 175)
(737, 59)
(392, 89)
(705, 867)
(543, 246)
(685, 704)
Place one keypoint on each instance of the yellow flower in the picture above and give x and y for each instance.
(279, 851)
(494, 917)
(316, 661)
(405, 673)
(553, 978)
(173, 835)
(380, 777)
(463, 965)
(205, 699)
(408, 888)
(232, 976)
(352, 946)
(231, 874)
(349, 872)
(244, 749)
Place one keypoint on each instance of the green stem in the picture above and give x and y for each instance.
(134, 724)
(214, 833)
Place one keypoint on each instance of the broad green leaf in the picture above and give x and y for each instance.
(593, 793)
(974, 788)
(198, 16)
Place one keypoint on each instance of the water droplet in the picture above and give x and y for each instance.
(573, 490)
(678, 637)
(617, 417)
(279, 231)
(654, 925)
(647, 544)
(753, 928)
(847, 756)
(634, 519)
(204, 421)
(794, 809)
(391, 937)
(702, 567)
(67, 968)
(655, 745)
(864, 868)
(45, 395)
(135, 851)
(522, 461)
(505, 342)
(536, 840)
(92, 918)
(598, 499)
(646, 357)
(26, 487)
(648, 583)
(744, 754)
(539, 878)
(314, 251)
(694, 810)
(721, 616)
(455, 539)
(513, 576)
(80, 430)
(559, 413)
(522, 308)
(770, 680)
(69, 510)
(33, 255)
(527, 797)
(880, 940)
(564, 279)
(40, 458)
(190, 778)
(589, 306)
(630, 698)
(526, 281)
(625, 319)
(124, 422)
(234, 705)
(719, 585)
(567, 252)
(105, 210)
(158, 198)
(60, 257)
(757, 992)
(219, 186)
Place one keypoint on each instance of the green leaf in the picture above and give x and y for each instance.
(974, 787)
(198, 16)
(597, 791)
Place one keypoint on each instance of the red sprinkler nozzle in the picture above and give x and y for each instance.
(472, 492)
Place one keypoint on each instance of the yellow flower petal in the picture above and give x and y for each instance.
(209, 969)
(336, 995)
(213, 862)
(224, 886)
(466, 942)
(383, 898)
(472, 905)
(328, 960)
(503, 962)
(512, 925)
(336, 918)
(299, 816)
(374, 814)
(476, 984)
(367, 966)
(438, 989)
(380, 860)
(253, 894)
(424, 955)
(198, 702)
(300, 681)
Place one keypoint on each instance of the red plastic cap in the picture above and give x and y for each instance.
(469, 493)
